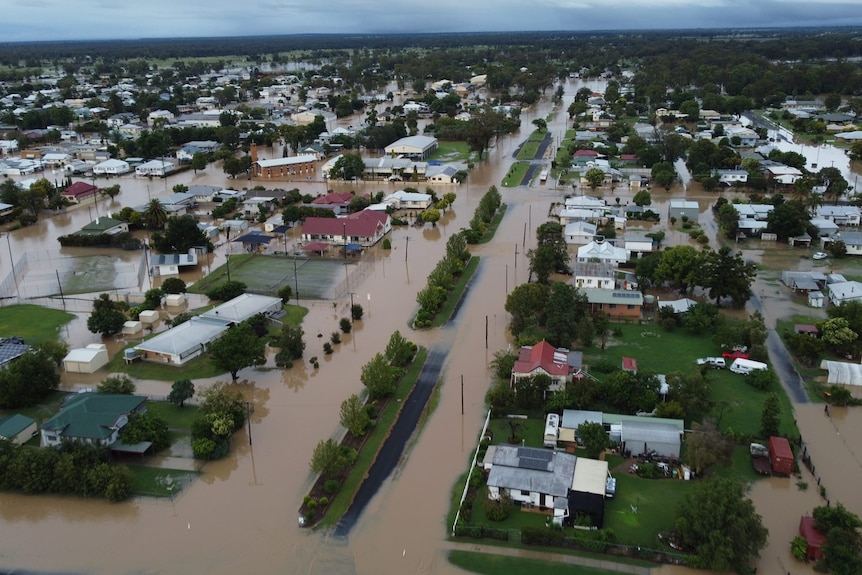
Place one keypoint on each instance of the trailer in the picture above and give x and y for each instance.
(552, 430)
(760, 458)
(746, 366)
(781, 456)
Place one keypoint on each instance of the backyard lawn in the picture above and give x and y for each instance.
(175, 416)
(651, 346)
(158, 482)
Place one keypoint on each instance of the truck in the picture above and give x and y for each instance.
(780, 455)
(716, 362)
(552, 430)
(746, 366)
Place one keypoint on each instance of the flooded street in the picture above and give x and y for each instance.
(241, 516)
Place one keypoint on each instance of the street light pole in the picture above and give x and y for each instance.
(227, 257)
(296, 281)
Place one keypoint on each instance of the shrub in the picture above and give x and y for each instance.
(542, 536)
(799, 547)
(285, 292)
(227, 291)
(324, 501)
(387, 244)
(331, 486)
(327, 348)
(335, 338)
(356, 312)
(498, 509)
(345, 325)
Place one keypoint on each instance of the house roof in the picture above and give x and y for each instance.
(80, 189)
(604, 296)
(649, 432)
(850, 238)
(590, 476)
(420, 142)
(185, 338)
(333, 198)
(808, 529)
(289, 161)
(14, 424)
(542, 355)
(532, 469)
(100, 225)
(242, 307)
(572, 418)
(92, 415)
(363, 224)
(602, 250)
(12, 348)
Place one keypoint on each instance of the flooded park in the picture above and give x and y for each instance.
(241, 515)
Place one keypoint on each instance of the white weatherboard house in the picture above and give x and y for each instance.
(111, 168)
(538, 477)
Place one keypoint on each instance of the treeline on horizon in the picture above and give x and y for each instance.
(769, 43)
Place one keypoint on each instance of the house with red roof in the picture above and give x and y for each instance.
(557, 363)
(79, 191)
(362, 229)
(338, 202)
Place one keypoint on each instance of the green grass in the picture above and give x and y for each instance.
(445, 313)
(32, 322)
(385, 420)
(649, 344)
(532, 431)
(176, 417)
(267, 273)
(495, 223)
(529, 150)
(41, 411)
(655, 500)
(516, 173)
(740, 467)
(487, 564)
(154, 481)
(814, 388)
(198, 368)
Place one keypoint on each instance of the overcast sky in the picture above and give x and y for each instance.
(108, 19)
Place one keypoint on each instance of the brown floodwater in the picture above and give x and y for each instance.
(242, 513)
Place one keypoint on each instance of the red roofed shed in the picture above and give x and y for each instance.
(630, 364)
(814, 538)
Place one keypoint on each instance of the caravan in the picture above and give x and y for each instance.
(746, 366)
(552, 430)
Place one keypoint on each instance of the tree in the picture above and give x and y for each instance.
(788, 219)
(238, 348)
(146, 426)
(347, 167)
(526, 305)
(399, 352)
(721, 525)
(353, 416)
(181, 391)
(226, 291)
(120, 384)
(181, 235)
(379, 377)
(291, 343)
(595, 177)
(843, 549)
(642, 198)
(727, 275)
(173, 286)
(328, 459)
(155, 215)
(106, 321)
(199, 161)
(541, 124)
(681, 267)
(594, 438)
(28, 379)
(564, 310)
(705, 446)
(431, 215)
(837, 334)
(770, 416)
(503, 363)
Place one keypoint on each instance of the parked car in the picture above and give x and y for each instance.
(735, 354)
(715, 362)
(820, 256)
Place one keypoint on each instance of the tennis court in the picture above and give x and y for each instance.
(47, 273)
(316, 278)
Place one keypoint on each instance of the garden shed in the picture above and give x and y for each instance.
(87, 359)
(842, 372)
(648, 436)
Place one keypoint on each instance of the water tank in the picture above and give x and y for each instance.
(649, 299)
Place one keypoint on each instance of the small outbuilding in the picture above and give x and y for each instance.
(17, 428)
(87, 359)
(148, 316)
(132, 327)
(814, 539)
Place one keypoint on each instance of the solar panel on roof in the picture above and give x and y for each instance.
(625, 294)
(533, 453)
(534, 464)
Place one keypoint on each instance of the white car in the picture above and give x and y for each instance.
(820, 256)
(714, 362)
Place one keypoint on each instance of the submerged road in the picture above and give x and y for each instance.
(393, 447)
(782, 361)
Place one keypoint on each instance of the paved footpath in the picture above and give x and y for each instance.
(607, 565)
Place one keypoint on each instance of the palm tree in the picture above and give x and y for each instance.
(155, 215)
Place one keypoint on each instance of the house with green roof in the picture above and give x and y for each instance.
(104, 225)
(17, 428)
(94, 418)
